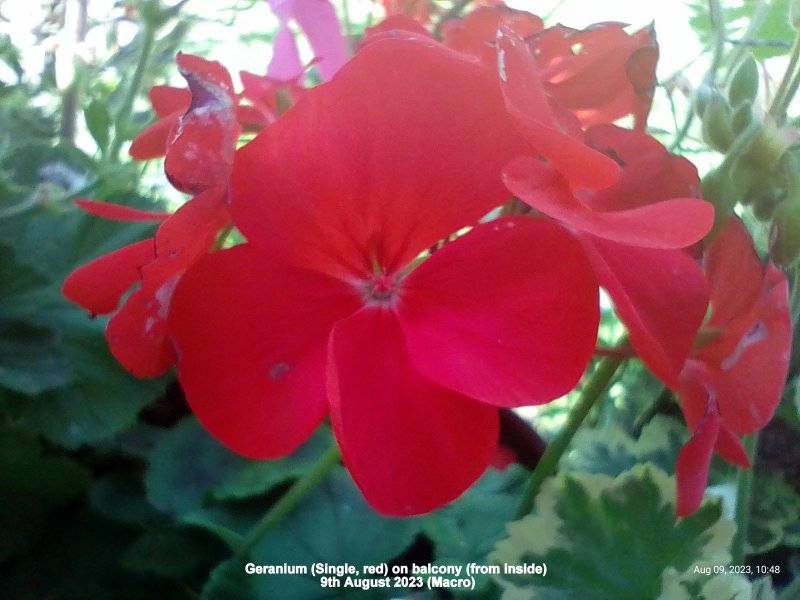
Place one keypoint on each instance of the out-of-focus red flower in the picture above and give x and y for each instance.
(418, 10)
(732, 382)
(327, 309)
(476, 33)
(653, 203)
(600, 73)
(318, 20)
(634, 231)
(393, 25)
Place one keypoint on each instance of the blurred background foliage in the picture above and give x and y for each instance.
(109, 488)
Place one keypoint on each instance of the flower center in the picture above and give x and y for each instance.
(380, 290)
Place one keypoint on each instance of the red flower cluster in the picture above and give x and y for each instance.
(374, 288)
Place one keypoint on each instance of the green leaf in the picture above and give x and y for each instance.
(772, 38)
(466, 530)
(694, 585)
(172, 552)
(774, 514)
(335, 526)
(100, 402)
(98, 121)
(120, 497)
(31, 360)
(79, 560)
(188, 466)
(31, 357)
(259, 476)
(604, 537)
(612, 451)
(32, 485)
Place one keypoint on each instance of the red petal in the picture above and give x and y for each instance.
(167, 100)
(137, 333)
(116, 212)
(410, 445)
(187, 235)
(408, 143)
(152, 142)
(660, 295)
(734, 271)
(476, 33)
(507, 314)
(251, 338)
(200, 153)
(582, 166)
(669, 224)
(99, 285)
(650, 174)
(694, 460)
(751, 378)
(730, 447)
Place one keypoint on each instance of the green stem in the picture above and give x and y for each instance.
(31, 201)
(792, 592)
(718, 26)
(289, 501)
(124, 114)
(788, 85)
(744, 489)
(752, 29)
(594, 388)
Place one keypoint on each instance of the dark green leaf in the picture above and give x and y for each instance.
(172, 552)
(334, 526)
(120, 497)
(100, 402)
(188, 466)
(32, 485)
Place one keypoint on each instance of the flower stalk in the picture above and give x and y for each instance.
(290, 500)
(124, 114)
(598, 383)
(744, 493)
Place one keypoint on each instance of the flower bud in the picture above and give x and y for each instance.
(764, 202)
(717, 131)
(744, 85)
(784, 238)
(742, 117)
(153, 13)
(768, 146)
(702, 95)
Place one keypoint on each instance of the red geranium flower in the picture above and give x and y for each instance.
(600, 73)
(731, 385)
(199, 158)
(327, 309)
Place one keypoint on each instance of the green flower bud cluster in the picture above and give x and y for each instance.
(759, 169)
